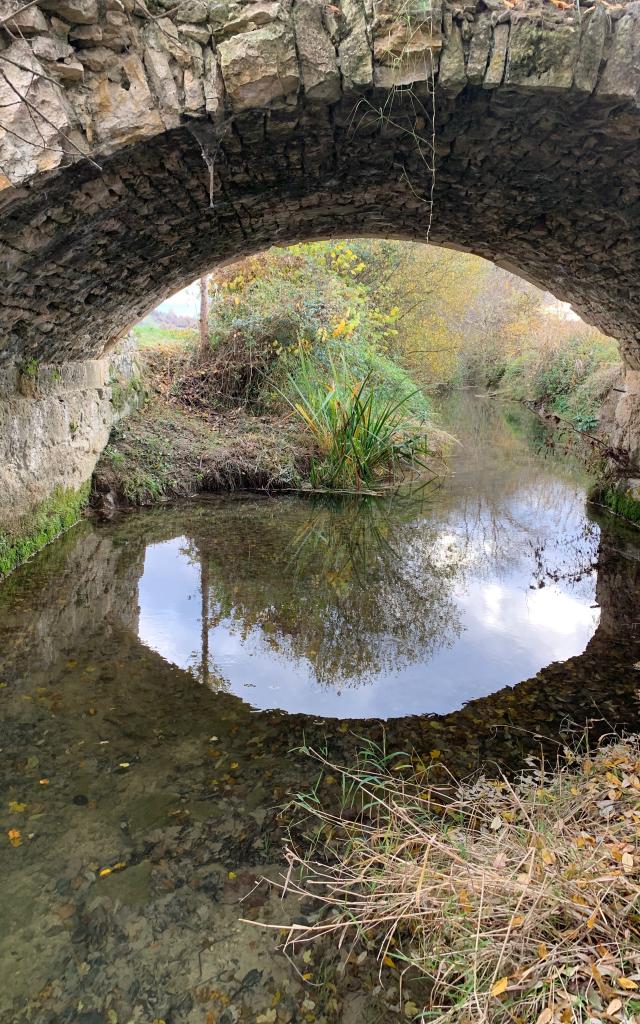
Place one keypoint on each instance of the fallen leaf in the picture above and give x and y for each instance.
(546, 1016)
(14, 836)
(17, 808)
(628, 984)
(499, 987)
(614, 1007)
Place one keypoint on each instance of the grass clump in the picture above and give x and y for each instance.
(43, 524)
(493, 903)
(360, 434)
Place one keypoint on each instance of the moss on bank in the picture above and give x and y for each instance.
(162, 452)
(39, 527)
(623, 499)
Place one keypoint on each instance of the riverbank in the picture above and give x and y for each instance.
(497, 901)
(164, 452)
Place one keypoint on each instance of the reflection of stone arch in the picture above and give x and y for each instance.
(600, 682)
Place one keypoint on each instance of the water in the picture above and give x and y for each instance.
(475, 621)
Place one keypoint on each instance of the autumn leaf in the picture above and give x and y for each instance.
(15, 836)
(499, 987)
(17, 808)
(628, 984)
(546, 1016)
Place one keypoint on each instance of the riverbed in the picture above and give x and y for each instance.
(160, 672)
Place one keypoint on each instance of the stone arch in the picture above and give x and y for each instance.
(142, 142)
(219, 128)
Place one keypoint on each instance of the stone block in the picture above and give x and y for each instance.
(318, 58)
(621, 76)
(355, 52)
(542, 57)
(495, 71)
(452, 77)
(259, 67)
(76, 12)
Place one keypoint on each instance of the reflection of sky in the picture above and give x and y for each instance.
(509, 632)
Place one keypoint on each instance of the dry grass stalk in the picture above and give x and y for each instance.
(511, 902)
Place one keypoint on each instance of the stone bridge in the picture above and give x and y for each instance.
(142, 142)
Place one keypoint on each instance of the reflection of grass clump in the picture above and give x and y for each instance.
(498, 902)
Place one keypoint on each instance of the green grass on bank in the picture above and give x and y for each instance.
(44, 523)
(152, 336)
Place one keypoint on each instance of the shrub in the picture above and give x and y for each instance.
(361, 435)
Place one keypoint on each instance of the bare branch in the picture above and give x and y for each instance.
(10, 17)
(51, 124)
(24, 67)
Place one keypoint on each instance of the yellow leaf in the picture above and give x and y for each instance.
(16, 808)
(388, 961)
(543, 952)
(546, 1016)
(14, 836)
(517, 921)
(231, 875)
(435, 754)
(104, 872)
(547, 856)
(499, 987)
(627, 984)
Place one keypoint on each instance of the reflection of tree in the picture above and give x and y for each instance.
(355, 588)
(508, 494)
(364, 586)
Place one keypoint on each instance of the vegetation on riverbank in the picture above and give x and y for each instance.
(298, 358)
(29, 534)
(164, 452)
(351, 338)
(496, 902)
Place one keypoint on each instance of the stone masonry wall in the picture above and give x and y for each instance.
(54, 422)
(142, 142)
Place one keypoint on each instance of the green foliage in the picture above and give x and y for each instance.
(29, 368)
(313, 301)
(572, 373)
(360, 434)
(619, 500)
(49, 519)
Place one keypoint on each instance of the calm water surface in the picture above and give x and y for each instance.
(369, 608)
(159, 673)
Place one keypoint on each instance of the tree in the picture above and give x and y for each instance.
(204, 311)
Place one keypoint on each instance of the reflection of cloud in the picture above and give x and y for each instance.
(560, 613)
(169, 598)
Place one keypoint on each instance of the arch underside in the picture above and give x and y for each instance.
(544, 183)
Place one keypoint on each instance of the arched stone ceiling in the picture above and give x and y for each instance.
(212, 128)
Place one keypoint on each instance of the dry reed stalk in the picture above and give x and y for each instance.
(510, 901)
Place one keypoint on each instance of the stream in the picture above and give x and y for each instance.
(160, 671)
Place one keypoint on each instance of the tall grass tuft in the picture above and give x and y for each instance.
(362, 437)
